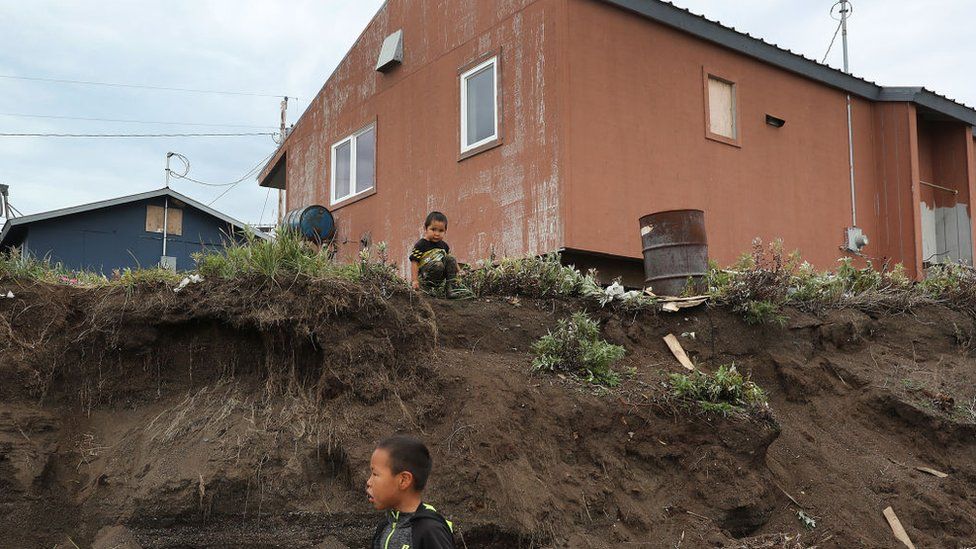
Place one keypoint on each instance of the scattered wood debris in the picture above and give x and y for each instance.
(675, 304)
(932, 472)
(679, 352)
(896, 528)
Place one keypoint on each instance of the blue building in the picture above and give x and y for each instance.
(131, 231)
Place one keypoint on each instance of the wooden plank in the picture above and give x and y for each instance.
(174, 222)
(933, 472)
(896, 527)
(678, 352)
(154, 219)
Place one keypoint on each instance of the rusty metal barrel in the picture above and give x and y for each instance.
(675, 251)
(313, 223)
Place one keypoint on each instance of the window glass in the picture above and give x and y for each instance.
(365, 160)
(342, 169)
(480, 88)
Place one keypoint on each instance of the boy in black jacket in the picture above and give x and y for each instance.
(399, 469)
(431, 262)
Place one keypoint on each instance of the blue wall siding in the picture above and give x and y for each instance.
(116, 238)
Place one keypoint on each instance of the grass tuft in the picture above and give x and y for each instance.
(576, 348)
(726, 391)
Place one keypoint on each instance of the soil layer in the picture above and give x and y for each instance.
(243, 415)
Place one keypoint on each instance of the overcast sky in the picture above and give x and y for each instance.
(290, 47)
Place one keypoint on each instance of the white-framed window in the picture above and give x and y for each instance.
(479, 105)
(354, 164)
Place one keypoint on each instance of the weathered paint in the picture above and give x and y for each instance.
(116, 238)
(944, 179)
(603, 121)
(504, 200)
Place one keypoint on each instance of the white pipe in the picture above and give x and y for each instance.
(850, 151)
(165, 224)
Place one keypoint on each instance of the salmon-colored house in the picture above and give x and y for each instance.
(553, 125)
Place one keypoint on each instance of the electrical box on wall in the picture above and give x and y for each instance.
(855, 240)
(168, 263)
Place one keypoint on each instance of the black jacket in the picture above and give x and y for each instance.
(428, 530)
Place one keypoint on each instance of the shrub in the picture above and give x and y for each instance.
(576, 348)
(536, 276)
(762, 283)
(725, 391)
(762, 312)
(759, 286)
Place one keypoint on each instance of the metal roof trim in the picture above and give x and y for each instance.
(23, 220)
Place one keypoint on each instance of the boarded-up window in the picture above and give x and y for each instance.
(155, 216)
(721, 107)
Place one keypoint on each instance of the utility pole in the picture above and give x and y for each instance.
(281, 192)
(168, 156)
(845, 10)
(5, 200)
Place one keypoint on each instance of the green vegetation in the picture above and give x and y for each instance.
(762, 283)
(26, 267)
(759, 286)
(726, 391)
(289, 255)
(536, 276)
(576, 348)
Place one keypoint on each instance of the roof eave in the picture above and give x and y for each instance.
(126, 200)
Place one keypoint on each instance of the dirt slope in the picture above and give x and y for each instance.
(243, 415)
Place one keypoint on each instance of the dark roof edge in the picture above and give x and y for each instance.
(123, 200)
(701, 27)
(931, 100)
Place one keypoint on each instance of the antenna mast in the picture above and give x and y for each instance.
(855, 239)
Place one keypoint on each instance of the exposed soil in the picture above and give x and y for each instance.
(243, 415)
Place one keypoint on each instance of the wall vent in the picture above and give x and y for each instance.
(391, 54)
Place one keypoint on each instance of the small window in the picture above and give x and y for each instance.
(722, 118)
(479, 105)
(155, 216)
(354, 165)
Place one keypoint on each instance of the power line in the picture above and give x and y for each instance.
(832, 40)
(140, 86)
(245, 176)
(128, 121)
(186, 162)
(266, 197)
(135, 135)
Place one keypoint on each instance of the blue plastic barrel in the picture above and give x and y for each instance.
(311, 222)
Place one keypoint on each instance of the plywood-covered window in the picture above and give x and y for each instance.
(721, 109)
(173, 219)
(354, 165)
(479, 106)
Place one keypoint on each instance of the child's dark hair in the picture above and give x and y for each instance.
(435, 216)
(409, 453)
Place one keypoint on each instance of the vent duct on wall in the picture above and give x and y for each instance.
(391, 54)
